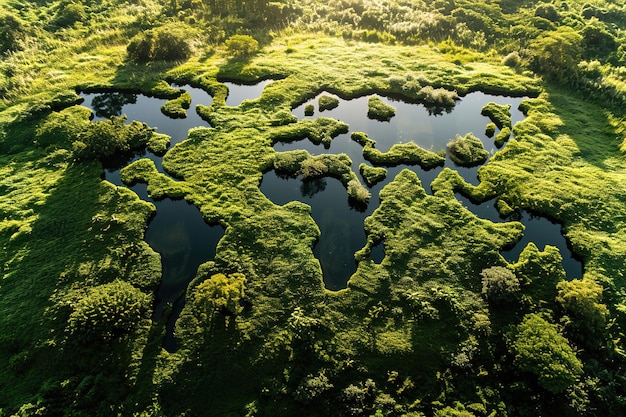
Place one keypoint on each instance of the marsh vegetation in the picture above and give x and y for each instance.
(445, 321)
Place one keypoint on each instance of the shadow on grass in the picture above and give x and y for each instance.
(67, 248)
(587, 124)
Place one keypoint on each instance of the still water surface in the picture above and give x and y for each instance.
(184, 240)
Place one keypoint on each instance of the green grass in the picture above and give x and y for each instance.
(412, 329)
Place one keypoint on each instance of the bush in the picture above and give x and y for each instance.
(309, 109)
(219, 294)
(69, 14)
(379, 110)
(500, 285)
(512, 60)
(358, 192)
(11, 33)
(548, 12)
(108, 137)
(540, 349)
(437, 99)
(241, 45)
(166, 43)
(108, 311)
(467, 151)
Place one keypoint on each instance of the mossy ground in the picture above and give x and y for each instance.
(410, 334)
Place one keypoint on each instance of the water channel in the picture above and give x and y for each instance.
(184, 240)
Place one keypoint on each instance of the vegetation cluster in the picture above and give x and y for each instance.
(443, 325)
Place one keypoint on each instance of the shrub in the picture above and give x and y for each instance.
(309, 109)
(540, 349)
(357, 191)
(547, 11)
(70, 13)
(108, 311)
(467, 150)
(241, 45)
(500, 285)
(437, 99)
(379, 110)
(327, 102)
(512, 60)
(219, 294)
(166, 43)
(12, 32)
(312, 387)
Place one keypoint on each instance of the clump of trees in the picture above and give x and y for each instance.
(105, 138)
(165, 43)
(540, 349)
(107, 311)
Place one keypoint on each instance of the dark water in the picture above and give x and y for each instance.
(177, 231)
(341, 225)
(539, 230)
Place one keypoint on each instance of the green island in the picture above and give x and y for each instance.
(441, 325)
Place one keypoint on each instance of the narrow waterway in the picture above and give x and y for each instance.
(184, 240)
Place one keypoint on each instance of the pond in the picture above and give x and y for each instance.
(341, 225)
(177, 232)
(184, 241)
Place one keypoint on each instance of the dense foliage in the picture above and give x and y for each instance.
(443, 325)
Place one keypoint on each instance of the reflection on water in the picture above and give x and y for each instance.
(237, 93)
(340, 223)
(184, 240)
(342, 229)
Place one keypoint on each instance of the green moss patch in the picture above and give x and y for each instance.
(379, 110)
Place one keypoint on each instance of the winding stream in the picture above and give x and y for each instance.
(184, 241)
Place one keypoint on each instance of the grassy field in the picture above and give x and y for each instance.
(439, 327)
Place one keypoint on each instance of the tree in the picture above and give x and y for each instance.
(540, 349)
(585, 315)
(108, 311)
(219, 294)
(557, 53)
(241, 45)
(166, 43)
(500, 285)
